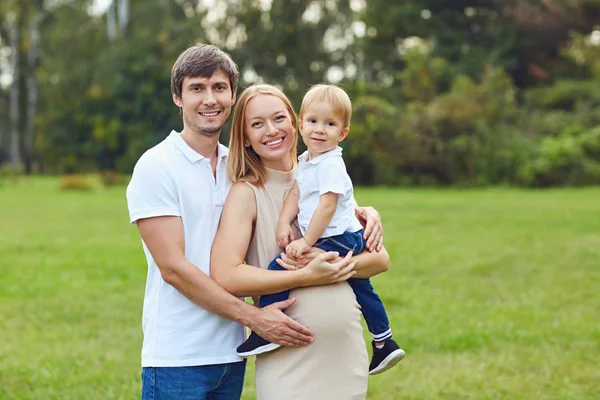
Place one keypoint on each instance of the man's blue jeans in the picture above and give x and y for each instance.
(370, 303)
(205, 382)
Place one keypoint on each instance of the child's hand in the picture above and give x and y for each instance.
(297, 248)
(284, 235)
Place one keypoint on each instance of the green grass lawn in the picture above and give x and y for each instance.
(494, 294)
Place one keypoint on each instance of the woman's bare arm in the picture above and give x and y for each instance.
(371, 263)
(368, 264)
(231, 244)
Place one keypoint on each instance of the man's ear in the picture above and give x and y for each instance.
(233, 98)
(177, 101)
(343, 134)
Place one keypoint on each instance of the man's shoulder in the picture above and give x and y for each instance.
(156, 155)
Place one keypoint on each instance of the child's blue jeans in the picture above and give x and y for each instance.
(370, 303)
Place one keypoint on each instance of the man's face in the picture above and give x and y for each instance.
(205, 103)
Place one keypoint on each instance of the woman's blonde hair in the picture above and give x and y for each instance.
(243, 164)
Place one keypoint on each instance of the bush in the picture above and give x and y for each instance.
(75, 182)
(570, 159)
(112, 178)
(8, 174)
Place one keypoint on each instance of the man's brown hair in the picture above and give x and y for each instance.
(203, 60)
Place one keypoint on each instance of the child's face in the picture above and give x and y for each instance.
(321, 128)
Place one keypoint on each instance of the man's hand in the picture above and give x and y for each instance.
(297, 248)
(371, 221)
(272, 324)
(284, 235)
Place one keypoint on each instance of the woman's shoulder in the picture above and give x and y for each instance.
(241, 191)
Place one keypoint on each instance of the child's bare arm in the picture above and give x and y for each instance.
(321, 217)
(318, 223)
(285, 234)
(290, 209)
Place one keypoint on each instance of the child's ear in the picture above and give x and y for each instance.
(343, 134)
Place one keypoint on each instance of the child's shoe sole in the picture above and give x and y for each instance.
(388, 362)
(259, 350)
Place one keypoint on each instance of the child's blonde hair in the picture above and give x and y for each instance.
(334, 95)
(243, 164)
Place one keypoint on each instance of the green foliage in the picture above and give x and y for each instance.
(371, 150)
(571, 159)
(463, 136)
(119, 105)
(445, 93)
(565, 95)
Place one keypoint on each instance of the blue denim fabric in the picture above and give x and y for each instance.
(205, 382)
(370, 303)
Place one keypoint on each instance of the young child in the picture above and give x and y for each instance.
(322, 199)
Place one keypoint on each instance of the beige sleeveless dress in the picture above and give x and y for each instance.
(335, 365)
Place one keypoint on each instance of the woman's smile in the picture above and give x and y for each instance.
(275, 142)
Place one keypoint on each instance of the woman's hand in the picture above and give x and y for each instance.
(371, 221)
(324, 270)
(291, 263)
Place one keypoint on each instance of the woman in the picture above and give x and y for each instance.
(262, 162)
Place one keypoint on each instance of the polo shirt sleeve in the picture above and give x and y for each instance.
(332, 176)
(152, 191)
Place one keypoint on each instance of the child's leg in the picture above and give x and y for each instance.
(268, 299)
(348, 241)
(372, 309)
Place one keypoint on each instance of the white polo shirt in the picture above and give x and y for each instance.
(326, 173)
(173, 179)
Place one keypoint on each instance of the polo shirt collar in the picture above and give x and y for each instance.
(191, 154)
(337, 152)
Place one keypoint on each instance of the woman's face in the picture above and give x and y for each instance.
(269, 131)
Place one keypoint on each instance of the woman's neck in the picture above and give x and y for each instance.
(279, 165)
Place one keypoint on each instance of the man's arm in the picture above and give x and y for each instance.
(165, 240)
(371, 222)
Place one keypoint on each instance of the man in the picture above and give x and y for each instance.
(191, 325)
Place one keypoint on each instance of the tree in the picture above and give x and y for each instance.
(14, 28)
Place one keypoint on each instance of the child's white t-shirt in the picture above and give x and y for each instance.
(326, 173)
